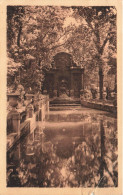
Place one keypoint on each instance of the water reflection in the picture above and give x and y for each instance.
(60, 154)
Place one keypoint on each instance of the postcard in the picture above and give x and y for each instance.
(61, 85)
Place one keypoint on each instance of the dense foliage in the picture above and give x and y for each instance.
(35, 34)
(95, 39)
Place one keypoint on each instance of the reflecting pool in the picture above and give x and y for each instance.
(74, 148)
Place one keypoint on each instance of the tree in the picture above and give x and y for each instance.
(80, 44)
(34, 34)
(101, 21)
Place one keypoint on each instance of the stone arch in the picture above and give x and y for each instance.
(63, 60)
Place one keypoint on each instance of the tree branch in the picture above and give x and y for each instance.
(58, 38)
(46, 34)
(96, 35)
(19, 35)
(54, 47)
(106, 168)
(97, 43)
(106, 39)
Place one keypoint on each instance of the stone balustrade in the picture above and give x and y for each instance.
(34, 111)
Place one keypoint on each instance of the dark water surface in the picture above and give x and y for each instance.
(69, 149)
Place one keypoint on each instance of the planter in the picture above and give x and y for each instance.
(13, 100)
(29, 98)
(71, 93)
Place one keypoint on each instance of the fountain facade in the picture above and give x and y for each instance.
(64, 79)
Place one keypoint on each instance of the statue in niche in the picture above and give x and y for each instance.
(63, 89)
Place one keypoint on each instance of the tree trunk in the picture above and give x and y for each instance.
(102, 162)
(101, 82)
(115, 87)
(19, 34)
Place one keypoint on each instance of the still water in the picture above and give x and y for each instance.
(74, 148)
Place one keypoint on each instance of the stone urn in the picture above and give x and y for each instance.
(45, 92)
(13, 100)
(29, 98)
(71, 93)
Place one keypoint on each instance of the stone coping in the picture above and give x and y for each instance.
(29, 94)
(100, 106)
(76, 67)
(13, 94)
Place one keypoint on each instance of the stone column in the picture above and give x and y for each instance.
(71, 84)
(16, 122)
(37, 106)
(43, 109)
(55, 83)
(82, 80)
(47, 104)
(29, 98)
(14, 114)
(36, 103)
(104, 95)
(30, 111)
(82, 83)
(98, 94)
(40, 114)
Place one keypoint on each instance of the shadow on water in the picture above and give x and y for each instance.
(68, 150)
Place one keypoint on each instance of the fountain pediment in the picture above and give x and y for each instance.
(63, 60)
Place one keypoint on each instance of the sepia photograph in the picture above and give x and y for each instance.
(62, 110)
(62, 96)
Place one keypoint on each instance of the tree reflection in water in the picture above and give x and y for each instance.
(67, 160)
